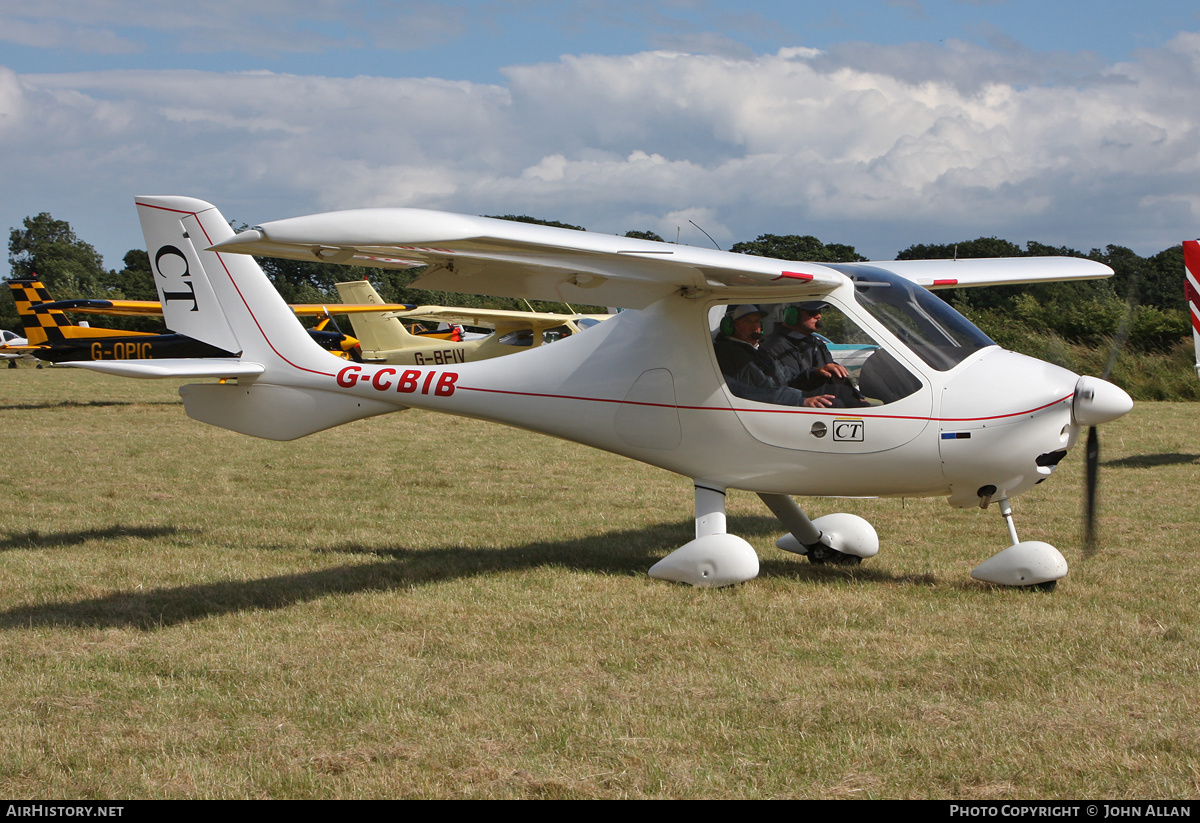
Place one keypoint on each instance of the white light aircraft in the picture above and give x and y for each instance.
(11, 338)
(946, 411)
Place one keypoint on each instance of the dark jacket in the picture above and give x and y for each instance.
(799, 358)
(751, 374)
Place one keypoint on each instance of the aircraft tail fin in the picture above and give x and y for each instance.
(222, 299)
(1191, 290)
(40, 326)
(227, 301)
(375, 332)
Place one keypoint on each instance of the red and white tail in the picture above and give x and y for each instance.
(224, 300)
(283, 376)
(1191, 290)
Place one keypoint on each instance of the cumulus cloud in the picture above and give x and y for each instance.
(874, 146)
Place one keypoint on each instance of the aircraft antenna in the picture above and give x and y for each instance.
(706, 234)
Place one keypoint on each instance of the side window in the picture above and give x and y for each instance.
(808, 354)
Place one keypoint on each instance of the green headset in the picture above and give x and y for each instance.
(725, 327)
(791, 315)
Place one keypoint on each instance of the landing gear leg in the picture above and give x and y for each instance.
(1033, 563)
(841, 539)
(714, 558)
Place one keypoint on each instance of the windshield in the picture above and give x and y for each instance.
(925, 323)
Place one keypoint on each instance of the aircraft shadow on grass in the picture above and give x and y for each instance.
(624, 553)
(48, 540)
(1150, 461)
(85, 404)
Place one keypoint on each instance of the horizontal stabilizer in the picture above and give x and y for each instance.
(222, 367)
(275, 412)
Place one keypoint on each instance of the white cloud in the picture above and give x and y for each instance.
(855, 147)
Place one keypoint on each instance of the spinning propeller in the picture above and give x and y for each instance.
(1092, 407)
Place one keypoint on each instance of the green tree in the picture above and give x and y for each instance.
(1163, 283)
(645, 235)
(136, 280)
(133, 282)
(795, 247)
(1002, 299)
(69, 267)
(1140, 297)
(980, 247)
(49, 248)
(524, 218)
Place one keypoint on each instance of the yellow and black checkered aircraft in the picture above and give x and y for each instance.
(53, 337)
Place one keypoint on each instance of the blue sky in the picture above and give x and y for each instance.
(474, 39)
(873, 123)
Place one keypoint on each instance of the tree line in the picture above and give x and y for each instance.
(1141, 309)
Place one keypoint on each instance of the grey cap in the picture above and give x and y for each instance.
(741, 311)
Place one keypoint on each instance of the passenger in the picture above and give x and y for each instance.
(805, 363)
(748, 372)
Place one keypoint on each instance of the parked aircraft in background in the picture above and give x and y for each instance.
(11, 338)
(386, 339)
(53, 337)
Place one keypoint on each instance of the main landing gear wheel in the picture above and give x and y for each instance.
(820, 555)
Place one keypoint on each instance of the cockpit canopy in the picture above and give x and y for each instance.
(782, 359)
(925, 323)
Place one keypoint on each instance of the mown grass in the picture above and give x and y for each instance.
(421, 606)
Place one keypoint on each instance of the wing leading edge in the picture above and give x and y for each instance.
(481, 255)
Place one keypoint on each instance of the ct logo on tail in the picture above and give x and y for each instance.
(172, 274)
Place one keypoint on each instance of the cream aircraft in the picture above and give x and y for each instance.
(385, 339)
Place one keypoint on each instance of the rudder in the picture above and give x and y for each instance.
(40, 327)
(224, 300)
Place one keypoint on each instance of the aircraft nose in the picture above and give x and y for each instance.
(1098, 401)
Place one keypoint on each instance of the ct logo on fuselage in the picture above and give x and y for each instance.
(848, 429)
(171, 265)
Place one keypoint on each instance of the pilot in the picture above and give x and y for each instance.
(804, 360)
(750, 373)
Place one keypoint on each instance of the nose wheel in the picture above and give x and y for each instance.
(1031, 564)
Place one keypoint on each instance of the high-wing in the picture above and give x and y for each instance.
(480, 255)
(950, 274)
(153, 308)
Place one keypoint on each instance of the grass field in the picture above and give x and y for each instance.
(422, 606)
